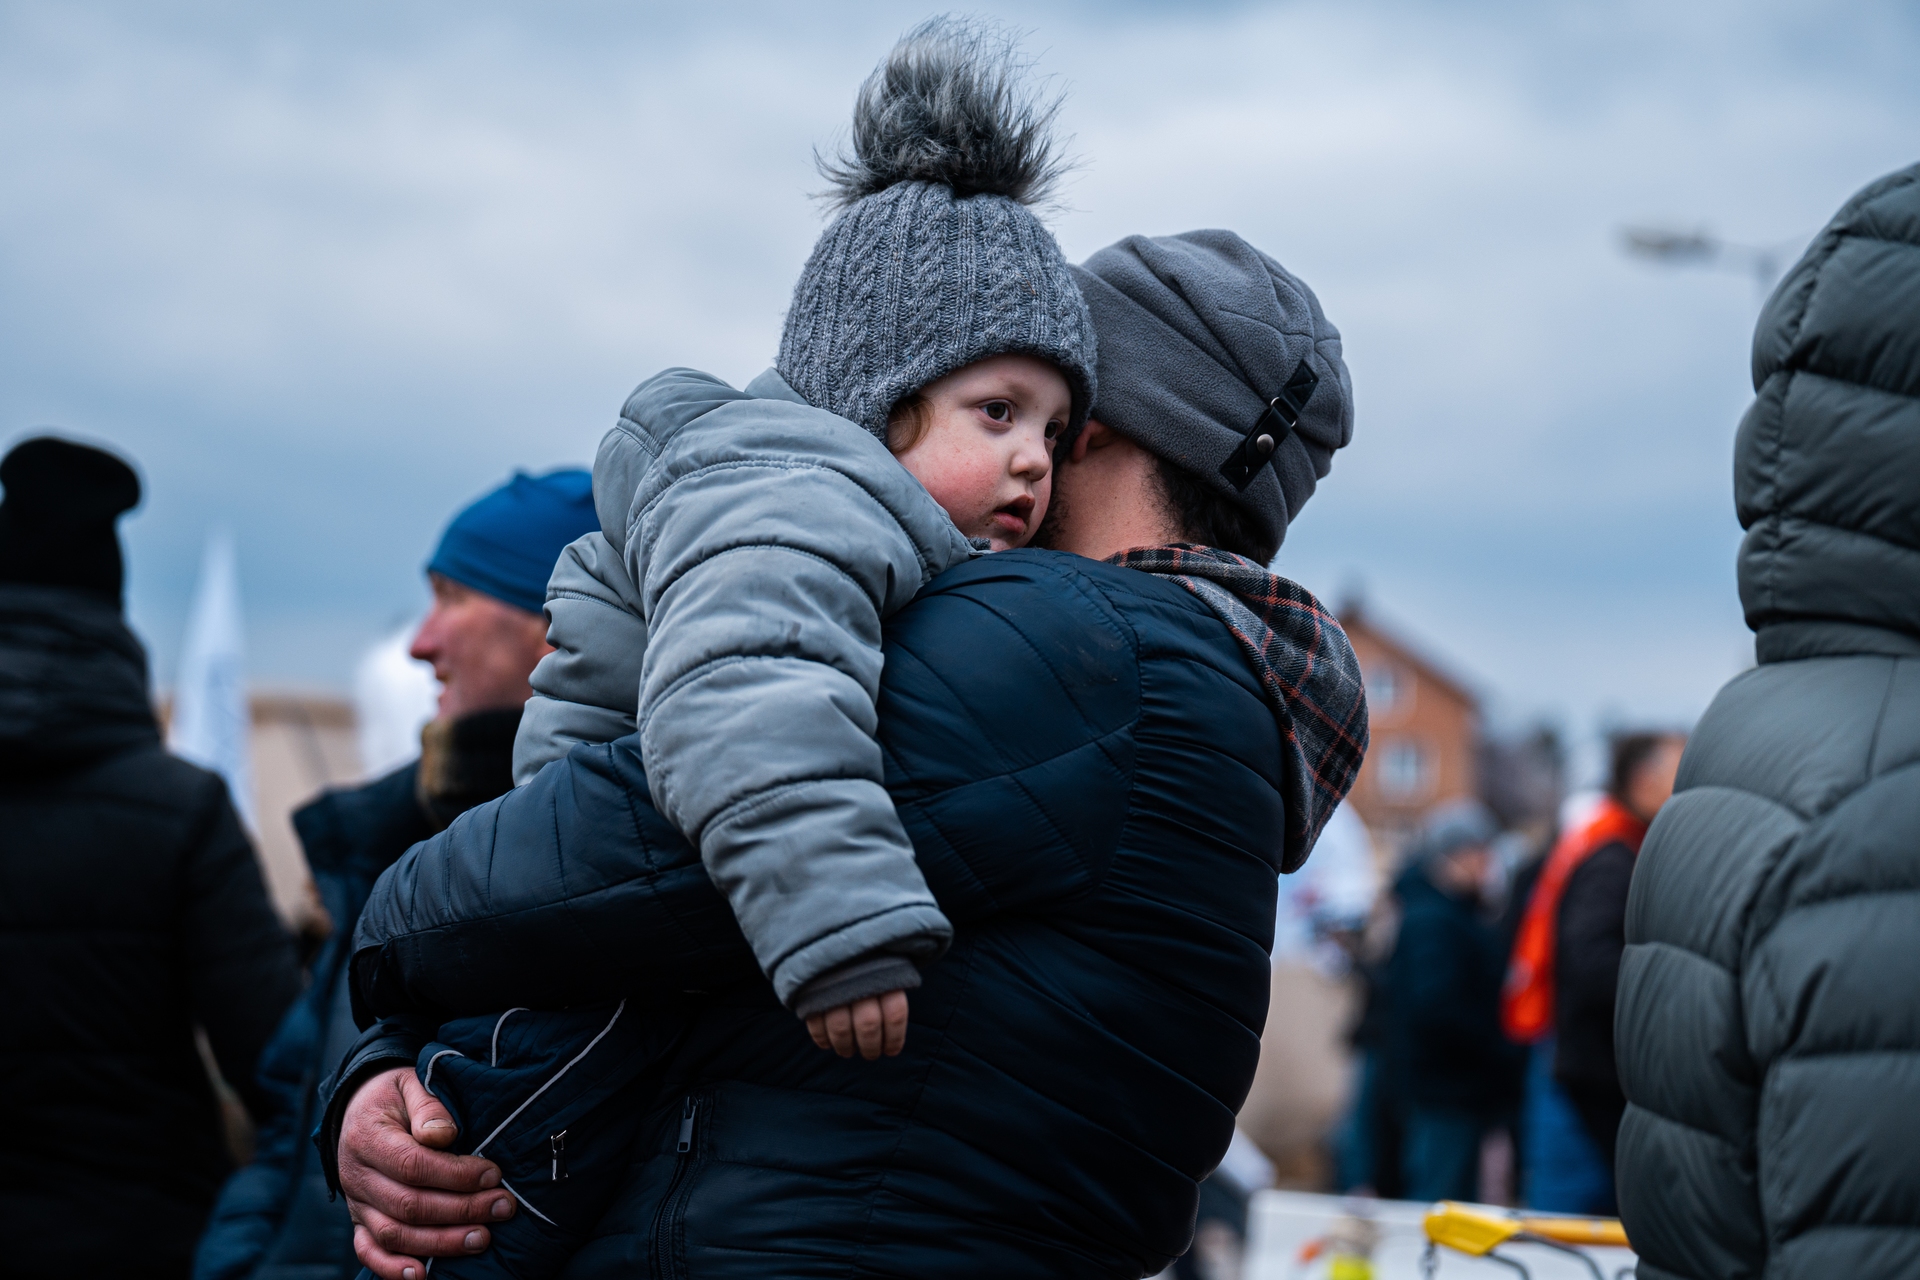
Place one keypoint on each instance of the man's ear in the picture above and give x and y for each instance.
(1095, 435)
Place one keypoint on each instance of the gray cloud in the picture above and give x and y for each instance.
(326, 274)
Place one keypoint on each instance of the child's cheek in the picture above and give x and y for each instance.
(960, 493)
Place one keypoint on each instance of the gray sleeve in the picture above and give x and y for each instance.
(768, 545)
(587, 689)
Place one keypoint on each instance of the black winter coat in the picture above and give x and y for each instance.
(1769, 1012)
(131, 908)
(276, 1218)
(1589, 938)
(1443, 1004)
(1091, 777)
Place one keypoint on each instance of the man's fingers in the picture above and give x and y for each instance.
(391, 1155)
(389, 1248)
(893, 1016)
(425, 1115)
(377, 1133)
(817, 1028)
(390, 1178)
(867, 1027)
(387, 1266)
(840, 1030)
(376, 1194)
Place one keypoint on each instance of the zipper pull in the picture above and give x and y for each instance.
(558, 1142)
(686, 1128)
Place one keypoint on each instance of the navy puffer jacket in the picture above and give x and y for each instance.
(1091, 776)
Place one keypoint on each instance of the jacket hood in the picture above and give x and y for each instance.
(73, 679)
(1827, 463)
(660, 405)
(1306, 668)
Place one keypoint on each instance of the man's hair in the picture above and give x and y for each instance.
(1206, 516)
(1631, 751)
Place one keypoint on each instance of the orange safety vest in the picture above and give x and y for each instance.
(1526, 1001)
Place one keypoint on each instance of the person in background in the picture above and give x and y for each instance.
(1769, 1008)
(1459, 1074)
(486, 630)
(132, 910)
(1592, 932)
(1562, 974)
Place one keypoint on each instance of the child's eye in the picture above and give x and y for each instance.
(1054, 429)
(998, 410)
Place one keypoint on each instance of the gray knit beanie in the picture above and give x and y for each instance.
(1218, 359)
(935, 260)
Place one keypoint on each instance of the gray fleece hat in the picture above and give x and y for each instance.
(935, 259)
(1218, 359)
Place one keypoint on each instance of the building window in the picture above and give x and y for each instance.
(1406, 770)
(1387, 686)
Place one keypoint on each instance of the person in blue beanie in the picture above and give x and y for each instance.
(505, 544)
(483, 635)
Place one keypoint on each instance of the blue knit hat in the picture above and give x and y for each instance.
(505, 544)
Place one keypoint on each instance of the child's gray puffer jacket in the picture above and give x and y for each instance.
(730, 607)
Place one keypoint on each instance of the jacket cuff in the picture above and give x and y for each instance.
(395, 1042)
(872, 975)
(915, 931)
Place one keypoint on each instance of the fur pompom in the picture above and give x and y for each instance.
(950, 105)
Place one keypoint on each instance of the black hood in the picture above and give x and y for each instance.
(73, 679)
(1827, 465)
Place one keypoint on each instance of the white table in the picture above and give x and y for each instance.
(1281, 1223)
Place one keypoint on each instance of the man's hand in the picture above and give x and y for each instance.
(877, 1025)
(408, 1200)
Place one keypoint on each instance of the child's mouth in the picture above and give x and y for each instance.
(1013, 517)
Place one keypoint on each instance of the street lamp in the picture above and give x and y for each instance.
(1703, 248)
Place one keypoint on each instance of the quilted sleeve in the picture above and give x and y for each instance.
(586, 690)
(767, 543)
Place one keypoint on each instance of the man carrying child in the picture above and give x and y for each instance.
(1093, 765)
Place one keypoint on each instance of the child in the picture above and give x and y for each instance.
(751, 544)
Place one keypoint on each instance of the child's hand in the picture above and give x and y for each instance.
(877, 1024)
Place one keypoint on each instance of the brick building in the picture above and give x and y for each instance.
(1425, 725)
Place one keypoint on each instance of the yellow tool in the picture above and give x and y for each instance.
(1478, 1232)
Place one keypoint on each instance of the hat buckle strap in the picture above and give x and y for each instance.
(1282, 415)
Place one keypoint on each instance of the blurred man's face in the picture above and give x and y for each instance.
(1652, 783)
(482, 649)
(1465, 871)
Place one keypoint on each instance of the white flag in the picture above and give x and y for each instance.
(394, 695)
(211, 725)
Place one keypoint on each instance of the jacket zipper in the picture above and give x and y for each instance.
(668, 1218)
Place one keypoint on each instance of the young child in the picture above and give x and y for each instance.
(751, 544)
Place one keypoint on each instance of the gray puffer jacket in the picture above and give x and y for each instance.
(1768, 1025)
(730, 608)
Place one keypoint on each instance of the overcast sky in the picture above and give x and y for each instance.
(328, 271)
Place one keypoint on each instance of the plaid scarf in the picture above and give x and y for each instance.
(1305, 666)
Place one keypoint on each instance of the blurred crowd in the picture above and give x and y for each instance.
(1468, 982)
(1489, 971)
